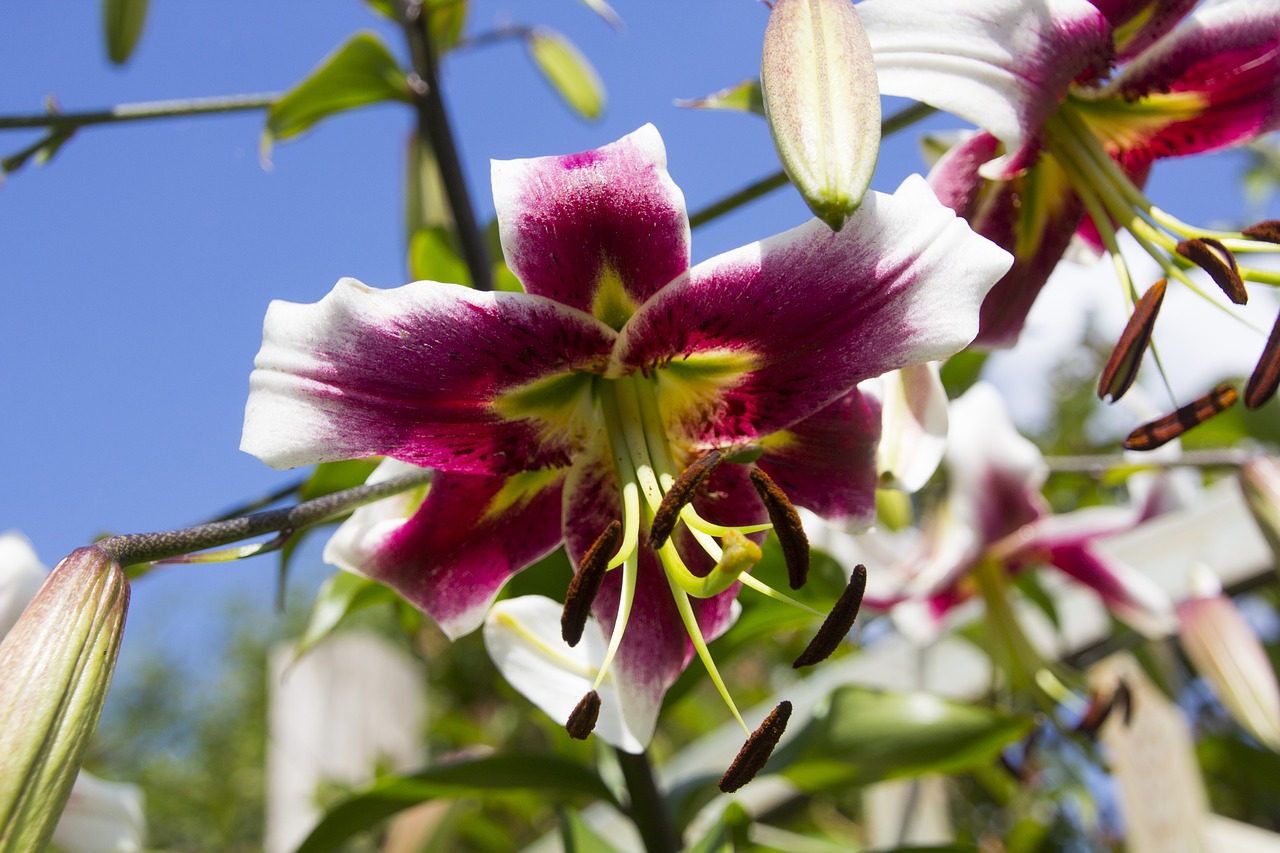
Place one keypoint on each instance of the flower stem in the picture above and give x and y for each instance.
(898, 121)
(434, 129)
(133, 548)
(648, 810)
(142, 111)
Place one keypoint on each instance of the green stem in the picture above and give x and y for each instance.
(143, 111)
(133, 548)
(898, 121)
(648, 810)
(435, 130)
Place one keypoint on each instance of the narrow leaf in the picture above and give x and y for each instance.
(547, 775)
(359, 73)
(122, 22)
(744, 97)
(339, 597)
(568, 71)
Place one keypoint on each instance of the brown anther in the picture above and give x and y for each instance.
(582, 719)
(786, 525)
(1163, 430)
(1265, 232)
(838, 622)
(1217, 260)
(681, 494)
(756, 751)
(586, 583)
(1096, 715)
(1126, 358)
(1123, 699)
(1266, 376)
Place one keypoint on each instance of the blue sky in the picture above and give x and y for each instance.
(139, 263)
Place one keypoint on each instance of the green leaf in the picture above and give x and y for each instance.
(340, 596)
(331, 477)
(432, 257)
(962, 370)
(122, 22)
(577, 837)
(547, 775)
(446, 22)
(744, 97)
(426, 202)
(728, 834)
(568, 71)
(359, 73)
(867, 736)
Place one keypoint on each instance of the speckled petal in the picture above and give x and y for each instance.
(1136, 24)
(827, 462)
(1032, 215)
(1223, 63)
(608, 217)
(451, 557)
(796, 321)
(415, 373)
(1004, 65)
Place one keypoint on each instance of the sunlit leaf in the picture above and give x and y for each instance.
(433, 258)
(122, 22)
(327, 478)
(577, 837)
(549, 776)
(728, 834)
(447, 18)
(426, 202)
(744, 97)
(340, 596)
(568, 71)
(359, 73)
(867, 736)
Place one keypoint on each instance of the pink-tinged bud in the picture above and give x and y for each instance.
(822, 100)
(1227, 653)
(1260, 483)
(55, 666)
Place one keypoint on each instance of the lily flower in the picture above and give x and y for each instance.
(994, 510)
(1075, 101)
(622, 393)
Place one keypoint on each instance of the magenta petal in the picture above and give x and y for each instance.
(567, 222)
(806, 315)
(412, 373)
(1156, 17)
(1229, 53)
(827, 462)
(471, 534)
(1032, 216)
(1004, 65)
(1131, 595)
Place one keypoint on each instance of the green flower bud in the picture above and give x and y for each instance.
(55, 667)
(823, 103)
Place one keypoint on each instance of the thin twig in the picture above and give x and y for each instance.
(1101, 463)
(142, 111)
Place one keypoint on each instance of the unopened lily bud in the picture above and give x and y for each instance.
(1228, 654)
(55, 666)
(1260, 482)
(823, 103)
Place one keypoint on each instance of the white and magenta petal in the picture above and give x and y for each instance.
(827, 462)
(913, 418)
(1215, 80)
(1136, 24)
(522, 636)
(434, 374)
(600, 231)
(452, 557)
(1128, 593)
(1004, 65)
(795, 321)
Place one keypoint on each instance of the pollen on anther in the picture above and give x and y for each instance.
(1122, 367)
(682, 492)
(582, 719)
(838, 622)
(1218, 261)
(1266, 232)
(586, 583)
(756, 751)
(1163, 430)
(786, 525)
(1265, 378)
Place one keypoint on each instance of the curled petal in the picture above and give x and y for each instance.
(600, 231)
(453, 555)
(820, 95)
(774, 331)
(913, 436)
(1004, 65)
(418, 373)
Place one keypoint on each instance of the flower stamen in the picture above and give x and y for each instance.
(586, 583)
(1122, 367)
(1216, 260)
(787, 526)
(838, 622)
(582, 719)
(1163, 430)
(756, 751)
(1264, 232)
(1266, 375)
(679, 494)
